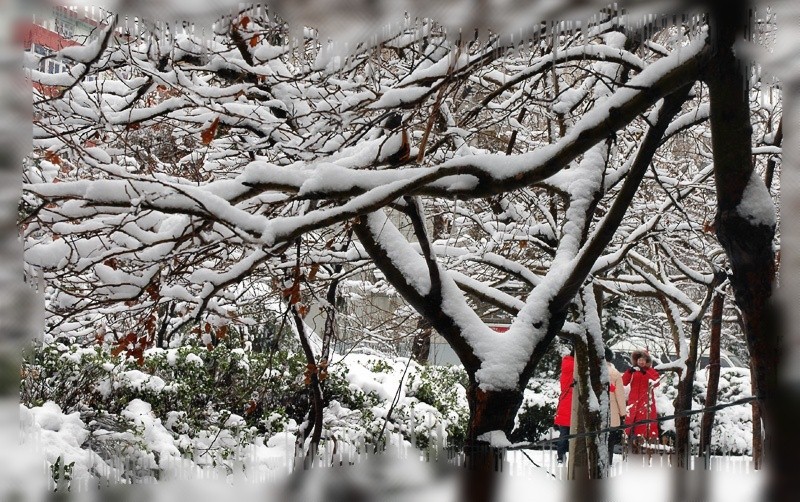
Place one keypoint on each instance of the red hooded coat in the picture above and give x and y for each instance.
(641, 401)
(564, 410)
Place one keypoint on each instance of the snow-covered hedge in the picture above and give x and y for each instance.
(104, 417)
(236, 411)
(733, 427)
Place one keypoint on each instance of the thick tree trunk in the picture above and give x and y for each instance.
(587, 461)
(713, 373)
(488, 411)
(748, 244)
(591, 420)
(578, 457)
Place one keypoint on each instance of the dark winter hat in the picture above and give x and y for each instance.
(609, 355)
(641, 353)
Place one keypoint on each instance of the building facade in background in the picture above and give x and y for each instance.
(53, 29)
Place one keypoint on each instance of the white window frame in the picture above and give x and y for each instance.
(64, 28)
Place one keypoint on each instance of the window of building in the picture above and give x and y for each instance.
(48, 65)
(55, 66)
(65, 28)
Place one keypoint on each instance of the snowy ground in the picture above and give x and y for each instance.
(399, 476)
(635, 479)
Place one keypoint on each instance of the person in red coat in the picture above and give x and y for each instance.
(564, 409)
(641, 402)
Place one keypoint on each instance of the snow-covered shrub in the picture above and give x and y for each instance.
(732, 430)
(444, 388)
(430, 404)
(106, 417)
(206, 405)
(338, 388)
(136, 447)
(68, 375)
(535, 417)
(208, 382)
(202, 406)
(192, 381)
(61, 437)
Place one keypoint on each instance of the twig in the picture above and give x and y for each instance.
(391, 407)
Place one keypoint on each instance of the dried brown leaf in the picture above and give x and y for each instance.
(208, 133)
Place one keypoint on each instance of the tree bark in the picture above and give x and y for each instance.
(578, 456)
(769, 175)
(748, 245)
(421, 347)
(758, 439)
(585, 462)
(683, 401)
(713, 375)
(590, 420)
(317, 404)
(489, 410)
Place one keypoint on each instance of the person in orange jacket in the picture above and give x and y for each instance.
(564, 409)
(641, 401)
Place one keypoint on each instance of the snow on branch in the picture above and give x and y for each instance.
(664, 286)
